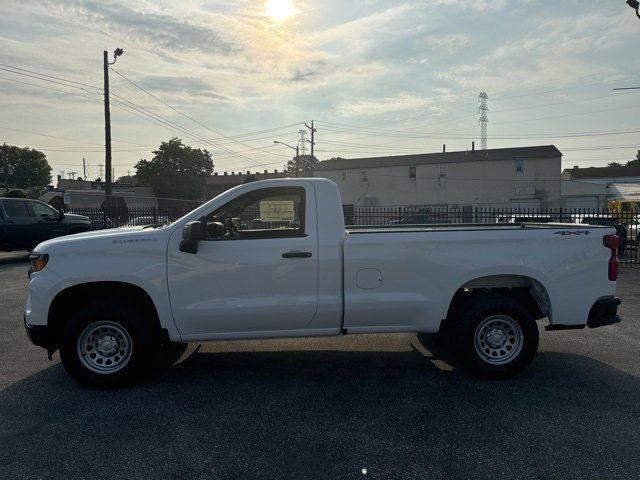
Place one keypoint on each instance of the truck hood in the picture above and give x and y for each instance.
(74, 217)
(102, 239)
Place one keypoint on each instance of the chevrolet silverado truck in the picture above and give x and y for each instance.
(116, 303)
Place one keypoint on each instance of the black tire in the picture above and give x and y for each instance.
(502, 329)
(130, 329)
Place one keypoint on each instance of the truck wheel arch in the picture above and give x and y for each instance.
(525, 289)
(71, 298)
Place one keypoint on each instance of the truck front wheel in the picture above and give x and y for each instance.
(495, 337)
(107, 344)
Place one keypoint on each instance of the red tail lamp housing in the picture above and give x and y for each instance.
(611, 242)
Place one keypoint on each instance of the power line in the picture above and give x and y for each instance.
(50, 76)
(185, 115)
(48, 80)
(141, 110)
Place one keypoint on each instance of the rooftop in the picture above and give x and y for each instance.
(604, 172)
(543, 151)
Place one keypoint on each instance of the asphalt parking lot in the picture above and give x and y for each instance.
(326, 408)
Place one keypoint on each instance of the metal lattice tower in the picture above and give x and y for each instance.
(302, 142)
(483, 109)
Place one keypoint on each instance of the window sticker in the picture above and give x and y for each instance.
(276, 211)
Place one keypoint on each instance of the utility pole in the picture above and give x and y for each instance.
(313, 132)
(84, 169)
(107, 117)
(5, 167)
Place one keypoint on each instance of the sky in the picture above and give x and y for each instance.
(376, 77)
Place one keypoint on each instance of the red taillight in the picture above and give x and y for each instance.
(611, 242)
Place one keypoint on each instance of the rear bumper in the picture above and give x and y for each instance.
(604, 312)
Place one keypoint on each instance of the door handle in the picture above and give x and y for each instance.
(296, 254)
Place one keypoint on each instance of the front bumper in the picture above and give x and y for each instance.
(604, 312)
(40, 335)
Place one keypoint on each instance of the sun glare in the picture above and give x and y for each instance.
(279, 10)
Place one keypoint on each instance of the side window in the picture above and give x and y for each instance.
(519, 165)
(42, 210)
(16, 209)
(265, 213)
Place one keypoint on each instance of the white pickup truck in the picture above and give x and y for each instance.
(272, 258)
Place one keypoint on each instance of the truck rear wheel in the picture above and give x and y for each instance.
(495, 337)
(108, 344)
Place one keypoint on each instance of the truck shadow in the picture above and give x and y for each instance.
(320, 411)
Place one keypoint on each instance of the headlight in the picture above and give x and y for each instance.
(37, 261)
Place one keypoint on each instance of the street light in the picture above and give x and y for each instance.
(107, 118)
(635, 5)
(292, 148)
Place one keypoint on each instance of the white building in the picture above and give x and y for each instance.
(592, 187)
(523, 177)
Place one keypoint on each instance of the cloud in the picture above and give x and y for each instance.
(378, 106)
(478, 5)
(446, 43)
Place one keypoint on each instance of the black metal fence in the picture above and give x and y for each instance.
(131, 216)
(626, 224)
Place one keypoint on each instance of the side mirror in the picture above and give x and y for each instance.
(192, 233)
(216, 230)
(61, 213)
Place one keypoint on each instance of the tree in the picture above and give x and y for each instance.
(128, 179)
(635, 162)
(302, 165)
(176, 170)
(28, 167)
(614, 164)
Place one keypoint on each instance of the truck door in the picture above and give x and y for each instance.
(49, 224)
(19, 224)
(261, 276)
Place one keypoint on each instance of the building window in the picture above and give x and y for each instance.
(519, 165)
(344, 176)
(443, 172)
(364, 176)
(412, 172)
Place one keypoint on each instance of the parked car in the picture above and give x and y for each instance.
(609, 221)
(633, 233)
(147, 220)
(114, 302)
(24, 223)
(524, 218)
(99, 221)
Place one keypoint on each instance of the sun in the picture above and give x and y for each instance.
(279, 10)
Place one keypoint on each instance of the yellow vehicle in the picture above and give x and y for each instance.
(624, 210)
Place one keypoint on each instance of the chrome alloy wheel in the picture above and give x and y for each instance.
(104, 347)
(498, 339)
